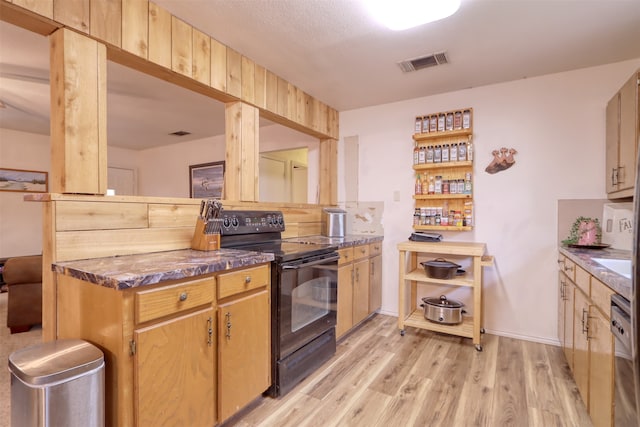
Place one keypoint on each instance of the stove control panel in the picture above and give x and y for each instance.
(251, 222)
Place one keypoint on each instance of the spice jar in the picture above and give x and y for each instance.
(433, 123)
(437, 154)
(430, 154)
(441, 120)
(462, 151)
(457, 120)
(453, 152)
(449, 121)
(466, 119)
(445, 153)
(425, 124)
(418, 127)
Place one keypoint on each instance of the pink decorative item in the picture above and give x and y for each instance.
(588, 232)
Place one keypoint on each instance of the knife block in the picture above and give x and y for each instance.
(202, 241)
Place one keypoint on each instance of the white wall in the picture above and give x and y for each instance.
(20, 221)
(164, 171)
(557, 124)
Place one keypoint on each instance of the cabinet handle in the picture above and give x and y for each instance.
(228, 316)
(210, 331)
(568, 268)
(183, 296)
(562, 295)
(614, 176)
(585, 325)
(247, 279)
(620, 175)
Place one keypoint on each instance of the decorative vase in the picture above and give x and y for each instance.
(588, 232)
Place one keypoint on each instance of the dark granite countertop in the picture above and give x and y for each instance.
(341, 242)
(131, 271)
(584, 258)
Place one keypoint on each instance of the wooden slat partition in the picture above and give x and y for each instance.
(148, 31)
(83, 227)
(94, 226)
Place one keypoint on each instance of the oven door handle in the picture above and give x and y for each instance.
(311, 263)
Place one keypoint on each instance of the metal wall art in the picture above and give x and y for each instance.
(502, 160)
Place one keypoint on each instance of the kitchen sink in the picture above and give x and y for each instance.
(620, 266)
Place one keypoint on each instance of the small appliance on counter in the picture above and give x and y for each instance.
(334, 222)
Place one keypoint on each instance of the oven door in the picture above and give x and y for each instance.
(306, 306)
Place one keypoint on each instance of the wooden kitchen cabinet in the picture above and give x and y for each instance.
(375, 277)
(588, 341)
(411, 274)
(344, 314)
(581, 344)
(566, 294)
(359, 287)
(168, 358)
(244, 339)
(622, 139)
(175, 371)
(244, 346)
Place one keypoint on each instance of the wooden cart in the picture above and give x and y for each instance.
(413, 274)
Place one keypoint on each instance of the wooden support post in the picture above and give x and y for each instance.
(241, 169)
(328, 172)
(78, 114)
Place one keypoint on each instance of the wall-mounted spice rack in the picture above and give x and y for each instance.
(443, 162)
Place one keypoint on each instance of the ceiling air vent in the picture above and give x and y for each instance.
(423, 62)
(180, 133)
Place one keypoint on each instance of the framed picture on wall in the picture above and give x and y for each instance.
(206, 180)
(25, 181)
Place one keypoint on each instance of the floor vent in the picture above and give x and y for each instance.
(423, 62)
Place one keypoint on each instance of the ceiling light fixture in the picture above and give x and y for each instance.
(403, 14)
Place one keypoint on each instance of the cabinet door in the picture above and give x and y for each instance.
(601, 353)
(375, 283)
(569, 327)
(628, 133)
(581, 345)
(244, 347)
(612, 136)
(344, 315)
(562, 308)
(360, 290)
(174, 371)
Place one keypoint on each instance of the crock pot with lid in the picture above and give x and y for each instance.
(442, 310)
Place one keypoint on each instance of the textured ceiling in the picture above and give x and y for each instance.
(332, 50)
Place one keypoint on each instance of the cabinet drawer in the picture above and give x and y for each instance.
(601, 296)
(346, 255)
(582, 280)
(242, 280)
(569, 268)
(166, 300)
(375, 248)
(361, 251)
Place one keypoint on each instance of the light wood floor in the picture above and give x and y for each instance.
(379, 378)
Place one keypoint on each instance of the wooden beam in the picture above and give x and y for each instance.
(241, 169)
(78, 114)
(328, 170)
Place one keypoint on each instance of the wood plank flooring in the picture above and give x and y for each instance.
(379, 378)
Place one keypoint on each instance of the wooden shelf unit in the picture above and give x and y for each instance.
(455, 170)
(409, 314)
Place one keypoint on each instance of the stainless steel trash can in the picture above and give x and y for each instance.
(57, 383)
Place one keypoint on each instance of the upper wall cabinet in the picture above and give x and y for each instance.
(622, 139)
